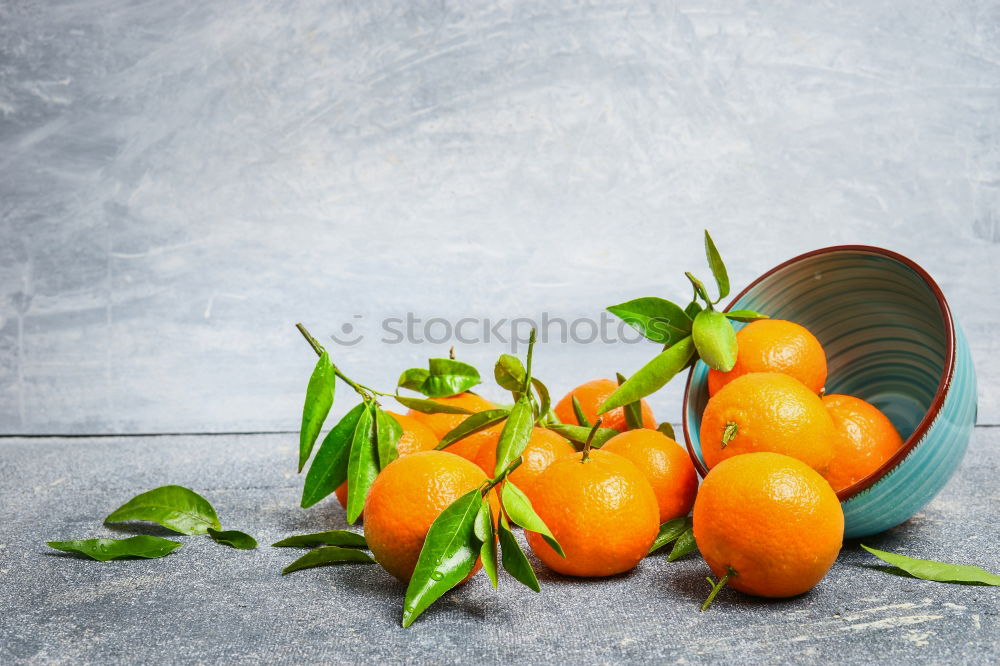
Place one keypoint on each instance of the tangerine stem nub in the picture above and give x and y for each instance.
(729, 433)
(590, 439)
(717, 586)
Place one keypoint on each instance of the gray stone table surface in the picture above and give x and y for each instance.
(208, 603)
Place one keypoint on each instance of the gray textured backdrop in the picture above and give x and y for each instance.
(181, 182)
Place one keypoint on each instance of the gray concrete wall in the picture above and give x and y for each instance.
(181, 182)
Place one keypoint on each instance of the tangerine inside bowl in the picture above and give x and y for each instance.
(890, 339)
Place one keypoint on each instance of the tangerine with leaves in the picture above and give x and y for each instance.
(865, 438)
(775, 345)
(601, 510)
(666, 465)
(767, 411)
(543, 448)
(442, 424)
(592, 395)
(415, 437)
(767, 524)
(406, 498)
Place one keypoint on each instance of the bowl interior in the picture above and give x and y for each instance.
(882, 321)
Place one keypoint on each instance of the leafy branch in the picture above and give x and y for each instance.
(696, 331)
(532, 405)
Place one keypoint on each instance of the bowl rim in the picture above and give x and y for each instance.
(939, 396)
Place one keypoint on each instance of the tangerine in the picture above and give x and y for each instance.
(442, 424)
(865, 438)
(543, 448)
(772, 520)
(601, 510)
(406, 498)
(666, 465)
(775, 345)
(590, 396)
(767, 411)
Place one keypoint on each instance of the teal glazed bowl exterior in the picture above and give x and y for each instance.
(890, 339)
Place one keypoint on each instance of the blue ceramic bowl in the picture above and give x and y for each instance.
(890, 339)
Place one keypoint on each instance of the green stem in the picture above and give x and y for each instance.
(590, 439)
(527, 372)
(317, 347)
(699, 289)
(488, 485)
(717, 586)
(362, 390)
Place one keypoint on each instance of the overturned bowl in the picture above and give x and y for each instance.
(890, 339)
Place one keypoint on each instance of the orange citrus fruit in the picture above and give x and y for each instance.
(666, 465)
(772, 519)
(602, 511)
(865, 438)
(591, 395)
(407, 496)
(416, 437)
(442, 424)
(543, 448)
(775, 345)
(767, 411)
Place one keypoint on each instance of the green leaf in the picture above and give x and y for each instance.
(448, 555)
(633, 410)
(715, 340)
(329, 468)
(429, 406)
(685, 544)
(718, 268)
(581, 418)
(657, 319)
(487, 535)
(940, 572)
(744, 315)
(513, 559)
(319, 399)
(102, 550)
(699, 288)
(509, 372)
(387, 434)
(175, 507)
(362, 467)
(667, 430)
(545, 400)
(652, 376)
(321, 557)
(234, 538)
(475, 423)
(519, 508)
(692, 309)
(449, 377)
(331, 538)
(413, 379)
(670, 531)
(515, 434)
(579, 434)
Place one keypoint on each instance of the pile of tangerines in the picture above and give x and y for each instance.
(766, 518)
